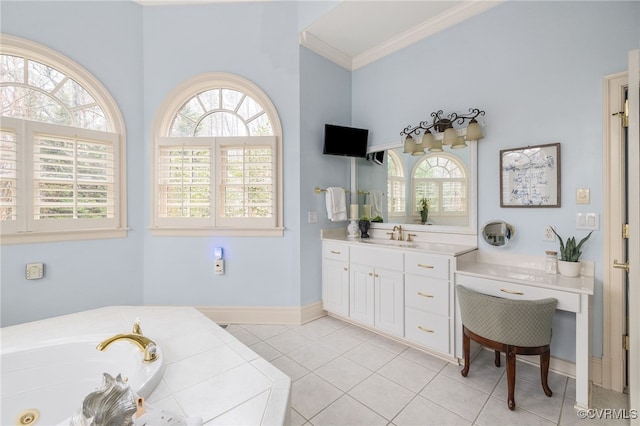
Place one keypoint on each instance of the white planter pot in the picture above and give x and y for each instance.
(569, 269)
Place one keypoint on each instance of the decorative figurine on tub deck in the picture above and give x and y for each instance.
(115, 404)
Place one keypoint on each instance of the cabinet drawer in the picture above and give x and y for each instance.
(566, 301)
(428, 330)
(335, 251)
(426, 264)
(427, 294)
(378, 257)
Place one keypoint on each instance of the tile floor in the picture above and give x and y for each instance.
(344, 375)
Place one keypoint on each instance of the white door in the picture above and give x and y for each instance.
(389, 301)
(361, 294)
(335, 287)
(634, 231)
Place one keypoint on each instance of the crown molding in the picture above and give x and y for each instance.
(440, 22)
(318, 46)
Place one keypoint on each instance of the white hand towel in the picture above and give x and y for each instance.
(336, 204)
(376, 205)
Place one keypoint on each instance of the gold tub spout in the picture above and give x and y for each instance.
(145, 344)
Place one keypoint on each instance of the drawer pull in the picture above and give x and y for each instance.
(420, 265)
(370, 274)
(505, 290)
(346, 269)
(376, 275)
(430, 296)
(426, 330)
(336, 252)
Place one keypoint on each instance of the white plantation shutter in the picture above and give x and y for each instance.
(8, 178)
(246, 181)
(74, 178)
(184, 182)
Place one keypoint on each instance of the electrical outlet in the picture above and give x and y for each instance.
(34, 271)
(548, 234)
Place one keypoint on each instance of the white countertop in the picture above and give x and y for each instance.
(209, 373)
(425, 247)
(514, 271)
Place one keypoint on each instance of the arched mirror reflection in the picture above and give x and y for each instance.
(497, 233)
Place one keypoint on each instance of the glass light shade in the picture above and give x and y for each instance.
(450, 137)
(436, 146)
(474, 131)
(409, 145)
(418, 150)
(459, 143)
(428, 140)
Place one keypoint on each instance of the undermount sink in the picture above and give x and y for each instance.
(393, 243)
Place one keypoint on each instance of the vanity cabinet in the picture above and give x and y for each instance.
(335, 278)
(376, 293)
(405, 293)
(428, 297)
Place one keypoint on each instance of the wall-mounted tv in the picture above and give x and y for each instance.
(348, 141)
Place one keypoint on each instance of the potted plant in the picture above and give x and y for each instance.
(569, 263)
(364, 224)
(424, 210)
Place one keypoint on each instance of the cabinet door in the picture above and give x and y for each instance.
(389, 301)
(335, 287)
(361, 294)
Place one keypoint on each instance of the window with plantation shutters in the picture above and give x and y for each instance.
(396, 183)
(442, 180)
(62, 149)
(217, 160)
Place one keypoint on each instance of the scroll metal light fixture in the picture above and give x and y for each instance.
(445, 133)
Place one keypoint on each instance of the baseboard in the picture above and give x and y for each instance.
(285, 315)
(568, 368)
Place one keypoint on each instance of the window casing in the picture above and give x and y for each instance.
(62, 174)
(443, 180)
(217, 160)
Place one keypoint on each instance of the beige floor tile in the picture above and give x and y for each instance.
(312, 394)
(348, 411)
(382, 395)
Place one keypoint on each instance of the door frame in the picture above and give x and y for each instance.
(613, 357)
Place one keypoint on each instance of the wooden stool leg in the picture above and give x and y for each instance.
(466, 348)
(511, 377)
(544, 371)
(497, 360)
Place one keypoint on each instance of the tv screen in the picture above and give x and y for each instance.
(341, 140)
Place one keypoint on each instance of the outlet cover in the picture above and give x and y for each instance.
(548, 234)
(34, 271)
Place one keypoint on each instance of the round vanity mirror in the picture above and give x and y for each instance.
(497, 233)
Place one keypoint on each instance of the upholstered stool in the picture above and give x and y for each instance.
(520, 327)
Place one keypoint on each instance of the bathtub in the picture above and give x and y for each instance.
(54, 376)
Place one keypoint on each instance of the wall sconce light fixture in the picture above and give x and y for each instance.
(445, 133)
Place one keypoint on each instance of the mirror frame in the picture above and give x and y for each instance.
(508, 238)
(470, 229)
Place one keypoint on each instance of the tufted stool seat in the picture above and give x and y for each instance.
(520, 327)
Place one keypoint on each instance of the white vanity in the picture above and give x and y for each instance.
(401, 289)
(406, 291)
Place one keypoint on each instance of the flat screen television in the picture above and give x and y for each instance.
(348, 141)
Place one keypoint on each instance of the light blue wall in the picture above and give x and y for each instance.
(536, 68)
(325, 97)
(258, 41)
(106, 39)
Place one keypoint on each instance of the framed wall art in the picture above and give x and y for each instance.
(530, 176)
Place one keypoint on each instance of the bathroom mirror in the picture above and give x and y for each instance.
(448, 180)
(497, 233)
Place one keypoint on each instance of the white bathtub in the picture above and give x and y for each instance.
(55, 376)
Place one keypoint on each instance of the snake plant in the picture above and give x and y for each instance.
(570, 252)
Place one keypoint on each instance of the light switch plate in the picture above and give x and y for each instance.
(582, 196)
(589, 221)
(34, 271)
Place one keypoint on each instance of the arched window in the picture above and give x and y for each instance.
(441, 179)
(62, 144)
(217, 160)
(396, 184)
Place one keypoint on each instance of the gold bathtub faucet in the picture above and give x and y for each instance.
(145, 344)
